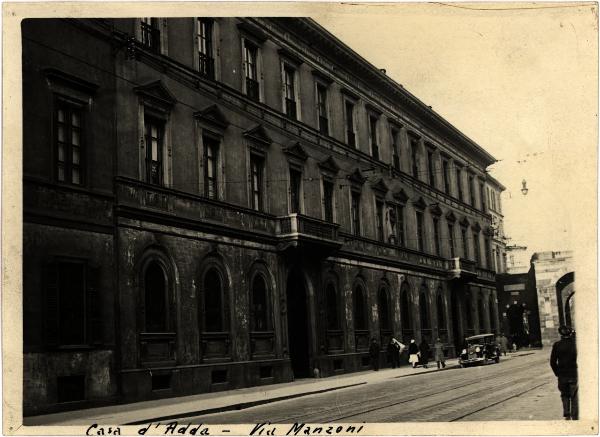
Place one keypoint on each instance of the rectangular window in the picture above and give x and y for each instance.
(446, 176)
(476, 247)
(251, 70)
(211, 158)
(256, 180)
(373, 137)
(355, 211)
(328, 200)
(66, 304)
(150, 32)
(295, 190)
(204, 38)
(414, 148)
(379, 218)
(463, 236)
(350, 138)
(436, 236)
(400, 226)
(395, 146)
(459, 184)
(322, 109)
(69, 144)
(289, 77)
(472, 190)
(451, 240)
(482, 196)
(154, 145)
(420, 232)
(499, 203)
(488, 254)
(430, 168)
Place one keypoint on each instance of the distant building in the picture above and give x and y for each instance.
(555, 286)
(214, 203)
(534, 304)
(494, 191)
(517, 259)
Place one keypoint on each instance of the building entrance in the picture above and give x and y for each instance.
(457, 331)
(297, 315)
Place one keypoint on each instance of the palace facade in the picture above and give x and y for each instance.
(212, 203)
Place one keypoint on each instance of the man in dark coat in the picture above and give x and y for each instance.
(393, 352)
(563, 361)
(374, 354)
(424, 350)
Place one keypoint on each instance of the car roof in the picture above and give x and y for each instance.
(477, 337)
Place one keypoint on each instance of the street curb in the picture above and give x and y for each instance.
(240, 406)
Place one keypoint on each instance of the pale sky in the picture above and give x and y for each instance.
(519, 82)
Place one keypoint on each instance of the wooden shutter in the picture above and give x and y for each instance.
(94, 306)
(51, 299)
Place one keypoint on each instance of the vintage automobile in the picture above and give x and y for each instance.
(480, 349)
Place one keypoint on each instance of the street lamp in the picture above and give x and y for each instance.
(524, 190)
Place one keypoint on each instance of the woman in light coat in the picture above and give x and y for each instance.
(413, 353)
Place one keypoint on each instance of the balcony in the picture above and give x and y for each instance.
(297, 230)
(460, 268)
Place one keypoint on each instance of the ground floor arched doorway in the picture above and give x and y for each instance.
(565, 294)
(457, 331)
(298, 322)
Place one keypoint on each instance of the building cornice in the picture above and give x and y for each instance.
(321, 39)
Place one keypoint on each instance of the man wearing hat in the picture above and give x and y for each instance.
(563, 361)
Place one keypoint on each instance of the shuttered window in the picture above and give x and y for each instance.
(73, 307)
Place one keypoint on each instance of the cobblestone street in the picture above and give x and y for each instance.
(519, 388)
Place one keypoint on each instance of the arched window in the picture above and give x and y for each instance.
(155, 298)
(213, 301)
(441, 322)
(260, 304)
(405, 308)
(332, 307)
(384, 310)
(360, 316)
(424, 308)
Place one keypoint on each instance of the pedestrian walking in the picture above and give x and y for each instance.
(563, 360)
(393, 353)
(374, 353)
(413, 353)
(424, 351)
(438, 353)
(502, 343)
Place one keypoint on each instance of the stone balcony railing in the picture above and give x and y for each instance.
(190, 208)
(298, 229)
(394, 253)
(467, 269)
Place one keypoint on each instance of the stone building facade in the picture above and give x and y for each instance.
(555, 286)
(212, 203)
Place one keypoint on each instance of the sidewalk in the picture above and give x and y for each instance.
(170, 408)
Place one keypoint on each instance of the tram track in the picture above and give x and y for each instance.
(501, 384)
(432, 412)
